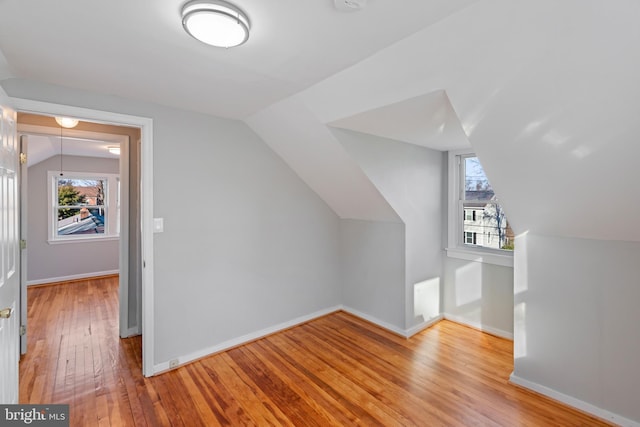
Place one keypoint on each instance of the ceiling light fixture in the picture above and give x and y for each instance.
(114, 150)
(216, 23)
(67, 122)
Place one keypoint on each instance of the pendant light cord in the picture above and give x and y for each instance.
(61, 174)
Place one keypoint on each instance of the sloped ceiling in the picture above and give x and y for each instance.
(319, 159)
(545, 92)
(426, 120)
(42, 147)
(138, 49)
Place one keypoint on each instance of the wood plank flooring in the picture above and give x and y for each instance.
(337, 370)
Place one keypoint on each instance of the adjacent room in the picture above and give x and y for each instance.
(342, 212)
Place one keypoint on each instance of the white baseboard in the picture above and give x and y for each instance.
(72, 277)
(187, 358)
(131, 332)
(407, 333)
(423, 325)
(576, 403)
(479, 326)
(378, 322)
(226, 345)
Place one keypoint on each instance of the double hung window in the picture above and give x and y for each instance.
(83, 206)
(477, 221)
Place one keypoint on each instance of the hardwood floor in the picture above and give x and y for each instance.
(337, 370)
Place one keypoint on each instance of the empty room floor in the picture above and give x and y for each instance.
(336, 370)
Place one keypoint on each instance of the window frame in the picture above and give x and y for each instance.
(456, 247)
(111, 207)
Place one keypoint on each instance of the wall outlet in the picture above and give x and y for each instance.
(173, 363)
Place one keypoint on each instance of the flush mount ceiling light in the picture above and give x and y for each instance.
(216, 23)
(67, 122)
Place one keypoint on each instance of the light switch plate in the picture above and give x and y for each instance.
(158, 225)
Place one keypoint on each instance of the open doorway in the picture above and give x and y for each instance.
(95, 230)
(145, 309)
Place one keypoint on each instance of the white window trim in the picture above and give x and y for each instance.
(456, 247)
(111, 229)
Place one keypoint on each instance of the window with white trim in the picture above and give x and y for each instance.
(477, 221)
(83, 206)
(469, 238)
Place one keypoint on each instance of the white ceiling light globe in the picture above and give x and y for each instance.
(67, 122)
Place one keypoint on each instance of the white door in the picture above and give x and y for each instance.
(9, 255)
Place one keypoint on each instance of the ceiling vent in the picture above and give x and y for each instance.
(350, 5)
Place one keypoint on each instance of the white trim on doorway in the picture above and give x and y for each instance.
(146, 205)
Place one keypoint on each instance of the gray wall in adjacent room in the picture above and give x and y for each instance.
(58, 261)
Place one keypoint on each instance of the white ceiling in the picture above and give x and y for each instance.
(545, 91)
(138, 49)
(42, 147)
(425, 120)
(44, 142)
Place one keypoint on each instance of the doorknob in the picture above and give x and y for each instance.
(5, 313)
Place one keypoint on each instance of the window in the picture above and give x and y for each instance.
(478, 226)
(469, 238)
(469, 214)
(83, 206)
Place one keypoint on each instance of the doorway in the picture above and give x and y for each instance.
(80, 205)
(137, 320)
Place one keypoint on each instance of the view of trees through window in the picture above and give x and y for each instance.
(81, 206)
(484, 221)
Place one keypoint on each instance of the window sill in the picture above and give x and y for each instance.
(487, 257)
(83, 240)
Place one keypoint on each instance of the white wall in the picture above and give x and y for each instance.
(57, 262)
(373, 270)
(410, 179)
(311, 150)
(479, 295)
(577, 317)
(246, 244)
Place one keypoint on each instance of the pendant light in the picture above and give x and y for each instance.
(61, 174)
(65, 122)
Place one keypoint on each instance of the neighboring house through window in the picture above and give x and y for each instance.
(477, 221)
